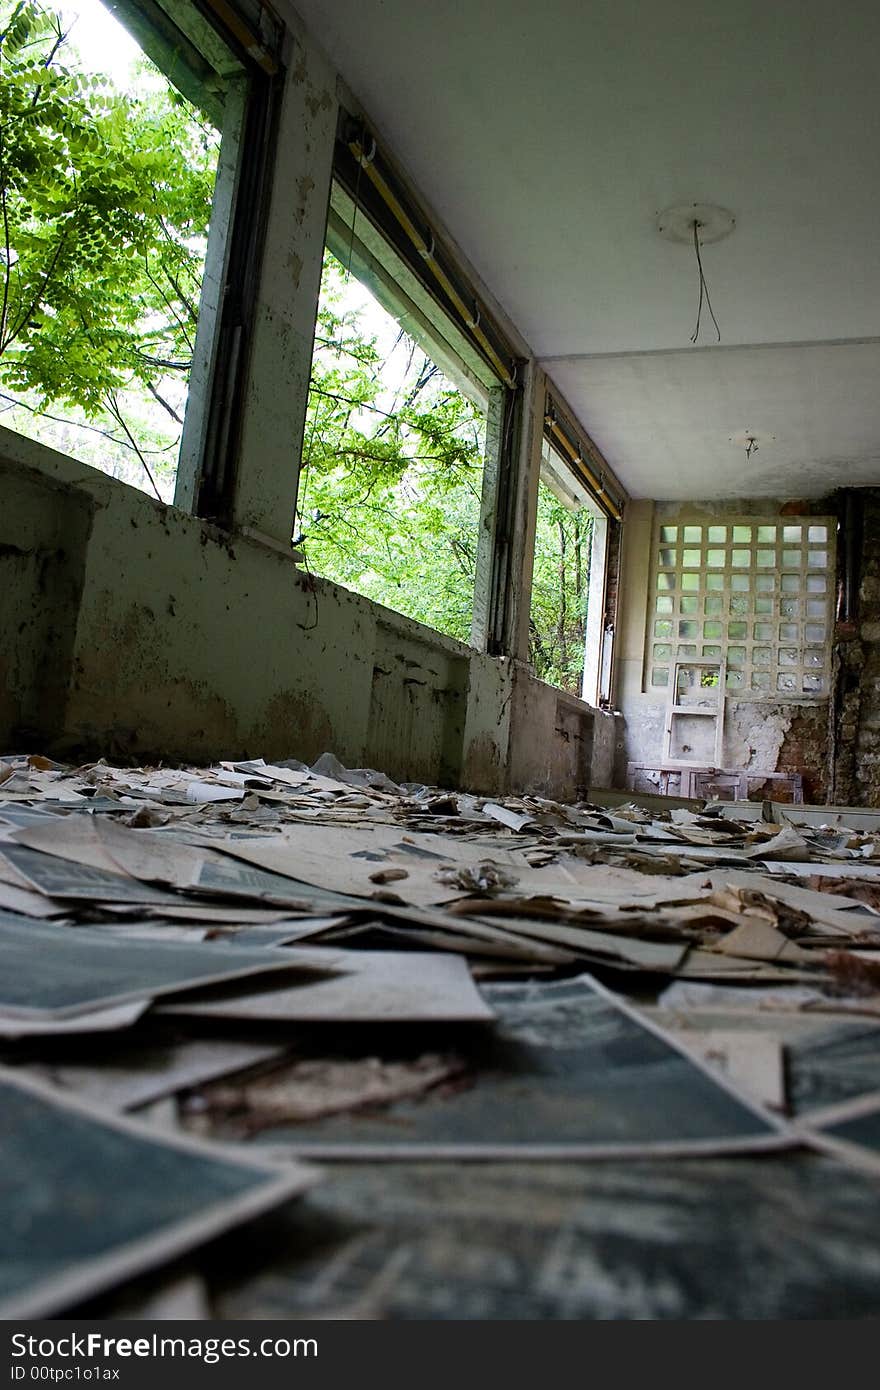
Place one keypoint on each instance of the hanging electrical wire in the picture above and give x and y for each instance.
(704, 290)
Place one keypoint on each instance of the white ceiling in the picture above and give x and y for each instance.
(549, 137)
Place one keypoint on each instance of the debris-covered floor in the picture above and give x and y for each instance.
(287, 1041)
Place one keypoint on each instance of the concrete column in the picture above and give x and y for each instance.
(526, 514)
(281, 357)
(635, 575)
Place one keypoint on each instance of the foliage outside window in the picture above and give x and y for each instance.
(756, 592)
(560, 584)
(390, 487)
(106, 197)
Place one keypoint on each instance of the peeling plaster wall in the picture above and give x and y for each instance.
(759, 735)
(136, 631)
(554, 749)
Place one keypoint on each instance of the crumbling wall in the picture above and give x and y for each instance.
(760, 735)
(833, 743)
(135, 631)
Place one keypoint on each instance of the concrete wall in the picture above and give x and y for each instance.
(833, 742)
(133, 630)
(139, 631)
(759, 734)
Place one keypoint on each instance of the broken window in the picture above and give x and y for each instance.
(117, 164)
(560, 585)
(571, 626)
(391, 475)
(407, 369)
(756, 592)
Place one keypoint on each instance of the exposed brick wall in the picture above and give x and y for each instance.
(855, 759)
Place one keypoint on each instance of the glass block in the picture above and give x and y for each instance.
(814, 632)
(786, 680)
(691, 534)
(660, 675)
(760, 680)
(663, 628)
(791, 559)
(742, 533)
(666, 559)
(765, 583)
(689, 603)
(664, 604)
(814, 656)
(739, 604)
(710, 652)
(740, 559)
(714, 581)
(716, 535)
(688, 629)
(789, 608)
(665, 580)
(791, 583)
(736, 656)
(737, 630)
(763, 632)
(766, 534)
(690, 581)
(668, 533)
(686, 649)
(662, 651)
(741, 583)
(766, 559)
(813, 683)
(715, 559)
(760, 656)
(788, 656)
(765, 605)
(815, 608)
(690, 559)
(818, 533)
(791, 534)
(817, 559)
(788, 632)
(734, 680)
(816, 584)
(712, 631)
(714, 603)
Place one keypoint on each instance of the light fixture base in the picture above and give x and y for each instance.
(713, 223)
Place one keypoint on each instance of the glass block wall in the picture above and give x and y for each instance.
(758, 592)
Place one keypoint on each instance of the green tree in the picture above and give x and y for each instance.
(390, 491)
(104, 199)
(560, 584)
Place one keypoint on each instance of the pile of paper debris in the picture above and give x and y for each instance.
(320, 963)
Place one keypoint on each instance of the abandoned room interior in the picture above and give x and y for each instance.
(440, 473)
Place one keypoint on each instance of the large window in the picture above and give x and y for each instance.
(560, 586)
(413, 393)
(757, 592)
(391, 475)
(580, 504)
(111, 163)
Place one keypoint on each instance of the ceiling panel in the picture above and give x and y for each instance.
(549, 137)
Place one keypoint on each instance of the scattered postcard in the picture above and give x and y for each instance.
(567, 1072)
(368, 987)
(67, 1232)
(69, 970)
